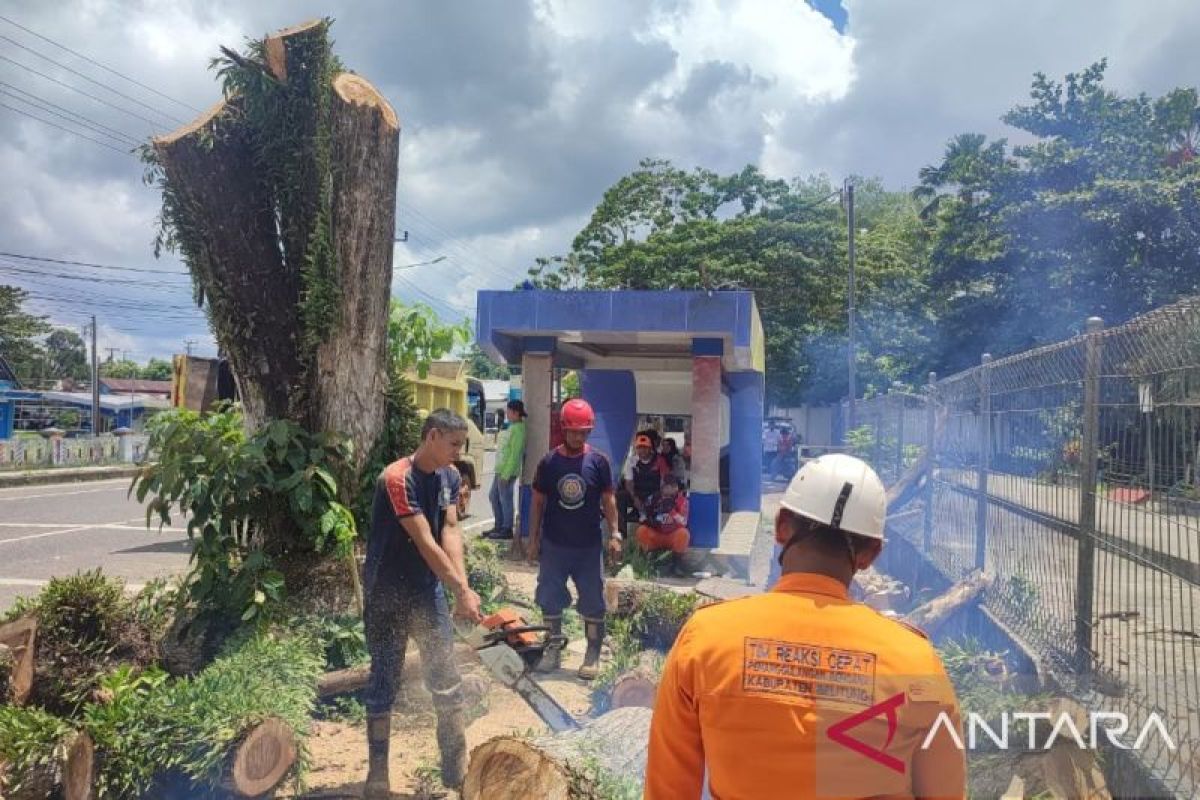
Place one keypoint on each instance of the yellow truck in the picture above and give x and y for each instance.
(447, 385)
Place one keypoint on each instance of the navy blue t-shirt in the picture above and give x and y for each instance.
(573, 486)
(403, 490)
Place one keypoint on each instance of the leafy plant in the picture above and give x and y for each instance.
(342, 638)
(230, 485)
(401, 434)
(31, 746)
(417, 337)
(347, 710)
(861, 441)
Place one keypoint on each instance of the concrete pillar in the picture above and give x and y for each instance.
(125, 448)
(537, 390)
(745, 441)
(612, 394)
(704, 520)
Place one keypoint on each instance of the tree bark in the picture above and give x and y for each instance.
(558, 767)
(252, 296)
(20, 638)
(625, 597)
(352, 679)
(351, 375)
(79, 769)
(932, 615)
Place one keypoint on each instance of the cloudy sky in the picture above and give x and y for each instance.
(517, 115)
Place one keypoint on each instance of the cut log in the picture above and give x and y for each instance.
(79, 769)
(261, 760)
(638, 686)
(352, 679)
(558, 767)
(932, 615)
(20, 637)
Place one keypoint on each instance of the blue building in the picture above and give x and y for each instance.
(693, 357)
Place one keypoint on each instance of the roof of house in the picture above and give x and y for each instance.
(126, 385)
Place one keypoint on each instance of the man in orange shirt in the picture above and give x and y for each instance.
(801, 692)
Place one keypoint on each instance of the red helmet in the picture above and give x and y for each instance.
(577, 415)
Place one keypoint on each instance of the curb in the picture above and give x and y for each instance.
(70, 475)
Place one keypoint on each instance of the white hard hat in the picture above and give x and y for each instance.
(840, 491)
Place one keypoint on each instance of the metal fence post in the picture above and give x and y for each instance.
(930, 462)
(985, 459)
(1085, 580)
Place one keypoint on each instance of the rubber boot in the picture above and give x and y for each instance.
(551, 656)
(452, 744)
(594, 630)
(379, 734)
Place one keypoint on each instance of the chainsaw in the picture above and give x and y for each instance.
(510, 647)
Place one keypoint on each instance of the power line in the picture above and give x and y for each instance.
(66, 130)
(89, 264)
(134, 114)
(11, 268)
(42, 105)
(92, 81)
(96, 63)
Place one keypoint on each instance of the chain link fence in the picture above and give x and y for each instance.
(1071, 473)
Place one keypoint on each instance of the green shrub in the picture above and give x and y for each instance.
(234, 488)
(32, 743)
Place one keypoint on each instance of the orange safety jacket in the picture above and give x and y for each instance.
(803, 693)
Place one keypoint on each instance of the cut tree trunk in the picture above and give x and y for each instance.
(352, 361)
(252, 295)
(932, 615)
(261, 760)
(905, 488)
(20, 637)
(637, 686)
(624, 598)
(79, 769)
(352, 679)
(560, 767)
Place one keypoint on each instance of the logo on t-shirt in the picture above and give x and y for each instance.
(571, 491)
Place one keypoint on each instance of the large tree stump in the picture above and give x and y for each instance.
(932, 615)
(556, 767)
(20, 639)
(261, 760)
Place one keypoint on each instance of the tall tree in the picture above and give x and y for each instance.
(483, 367)
(157, 369)
(19, 333)
(281, 201)
(661, 227)
(67, 354)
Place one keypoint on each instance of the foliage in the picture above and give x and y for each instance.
(67, 354)
(587, 779)
(86, 627)
(485, 573)
(570, 386)
(482, 367)
(861, 441)
(645, 564)
(19, 331)
(1099, 213)
(626, 651)
(125, 734)
(417, 337)
(663, 228)
(347, 710)
(401, 434)
(32, 743)
(231, 486)
(342, 638)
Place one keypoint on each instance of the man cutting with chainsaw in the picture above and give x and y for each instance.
(801, 692)
(416, 548)
(572, 491)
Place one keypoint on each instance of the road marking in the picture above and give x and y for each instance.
(69, 485)
(35, 583)
(52, 494)
(114, 526)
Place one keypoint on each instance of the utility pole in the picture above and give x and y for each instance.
(95, 382)
(111, 350)
(852, 346)
(187, 343)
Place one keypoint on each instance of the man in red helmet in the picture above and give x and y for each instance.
(572, 491)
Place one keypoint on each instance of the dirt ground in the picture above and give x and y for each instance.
(338, 752)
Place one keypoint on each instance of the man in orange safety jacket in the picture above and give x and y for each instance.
(801, 692)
